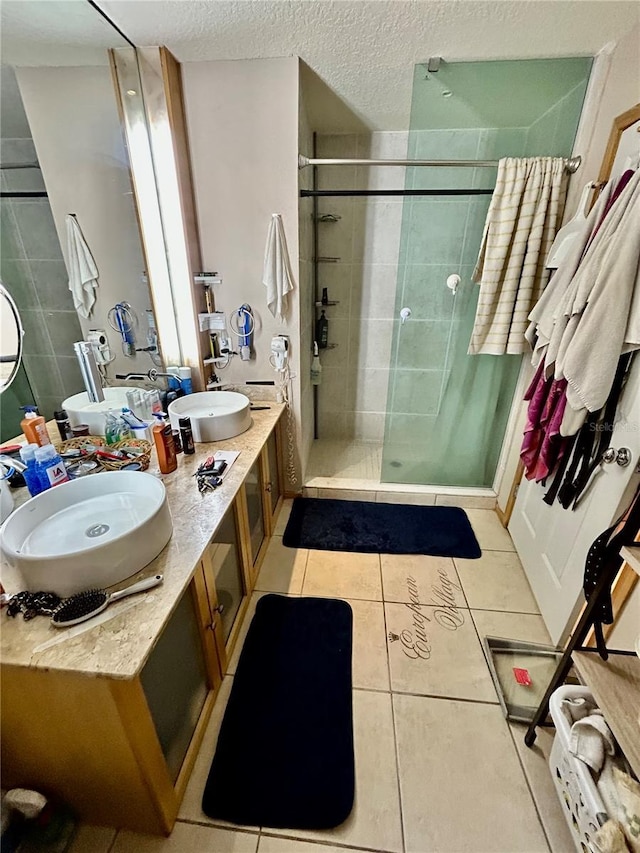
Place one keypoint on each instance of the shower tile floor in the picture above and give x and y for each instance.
(346, 459)
(438, 769)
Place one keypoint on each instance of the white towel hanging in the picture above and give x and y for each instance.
(277, 276)
(83, 272)
(570, 232)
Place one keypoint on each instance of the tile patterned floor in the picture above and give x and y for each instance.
(438, 769)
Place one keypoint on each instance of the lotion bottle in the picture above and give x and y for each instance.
(165, 446)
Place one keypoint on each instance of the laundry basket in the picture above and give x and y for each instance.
(582, 806)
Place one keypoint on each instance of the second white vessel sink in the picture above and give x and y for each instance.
(215, 415)
(91, 532)
(82, 411)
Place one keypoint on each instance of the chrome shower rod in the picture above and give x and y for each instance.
(572, 164)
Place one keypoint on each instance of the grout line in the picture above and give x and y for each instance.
(395, 738)
(226, 826)
(529, 787)
(321, 842)
(112, 845)
(495, 704)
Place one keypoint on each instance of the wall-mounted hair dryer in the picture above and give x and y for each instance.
(279, 352)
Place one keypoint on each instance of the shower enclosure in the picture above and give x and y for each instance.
(400, 399)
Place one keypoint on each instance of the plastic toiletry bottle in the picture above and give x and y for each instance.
(111, 428)
(63, 424)
(316, 367)
(186, 436)
(172, 381)
(50, 467)
(185, 379)
(322, 331)
(30, 474)
(34, 427)
(165, 448)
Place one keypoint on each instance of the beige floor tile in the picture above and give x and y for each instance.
(491, 535)
(436, 652)
(92, 839)
(512, 626)
(191, 807)
(188, 838)
(343, 575)
(496, 582)
(536, 767)
(462, 787)
(370, 665)
(433, 580)
(283, 517)
(375, 819)
(275, 844)
(283, 568)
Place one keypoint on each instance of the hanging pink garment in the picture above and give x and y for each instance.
(553, 444)
(542, 445)
(536, 394)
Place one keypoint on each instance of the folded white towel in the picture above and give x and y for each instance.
(591, 740)
(83, 272)
(277, 276)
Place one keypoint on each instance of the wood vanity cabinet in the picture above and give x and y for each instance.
(120, 752)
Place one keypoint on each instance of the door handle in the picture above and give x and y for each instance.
(621, 457)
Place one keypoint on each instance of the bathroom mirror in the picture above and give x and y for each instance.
(62, 152)
(11, 333)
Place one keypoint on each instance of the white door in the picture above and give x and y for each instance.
(553, 542)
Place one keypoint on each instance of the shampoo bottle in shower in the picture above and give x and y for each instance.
(322, 331)
(316, 367)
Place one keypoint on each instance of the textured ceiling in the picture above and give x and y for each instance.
(365, 51)
(360, 53)
(54, 32)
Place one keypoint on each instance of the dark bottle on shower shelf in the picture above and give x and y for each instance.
(325, 295)
(322, 331)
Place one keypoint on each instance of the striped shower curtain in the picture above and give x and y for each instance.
(521, 224)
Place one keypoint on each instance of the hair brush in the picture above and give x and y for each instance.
(84, 605)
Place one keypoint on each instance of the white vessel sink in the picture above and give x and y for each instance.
(215, 415)
(91, 532)
(82, 411)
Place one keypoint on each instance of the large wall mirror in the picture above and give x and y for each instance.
(67, 206)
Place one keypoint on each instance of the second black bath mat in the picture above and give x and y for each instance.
(379, 528)
(285, 750)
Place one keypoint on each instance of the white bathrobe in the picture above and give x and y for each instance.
(590, 314)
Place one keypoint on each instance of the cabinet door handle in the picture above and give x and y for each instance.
(219, 609)
(268, 487)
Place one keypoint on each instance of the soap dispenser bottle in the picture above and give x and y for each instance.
(34, 427)
(322, 331)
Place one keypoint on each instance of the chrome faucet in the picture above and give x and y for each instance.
(89, 369)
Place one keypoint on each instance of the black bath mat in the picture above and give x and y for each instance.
(285, 750)
(378, 528)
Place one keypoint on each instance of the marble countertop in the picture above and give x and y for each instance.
(116, 643)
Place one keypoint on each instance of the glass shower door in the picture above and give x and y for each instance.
(447, 411)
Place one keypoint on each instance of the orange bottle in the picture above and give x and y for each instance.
(165, 445)
(34, 427)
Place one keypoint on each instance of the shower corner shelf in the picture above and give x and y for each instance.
(326, 304)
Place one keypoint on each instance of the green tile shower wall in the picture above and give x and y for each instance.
(447, 411)
(34, 272)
